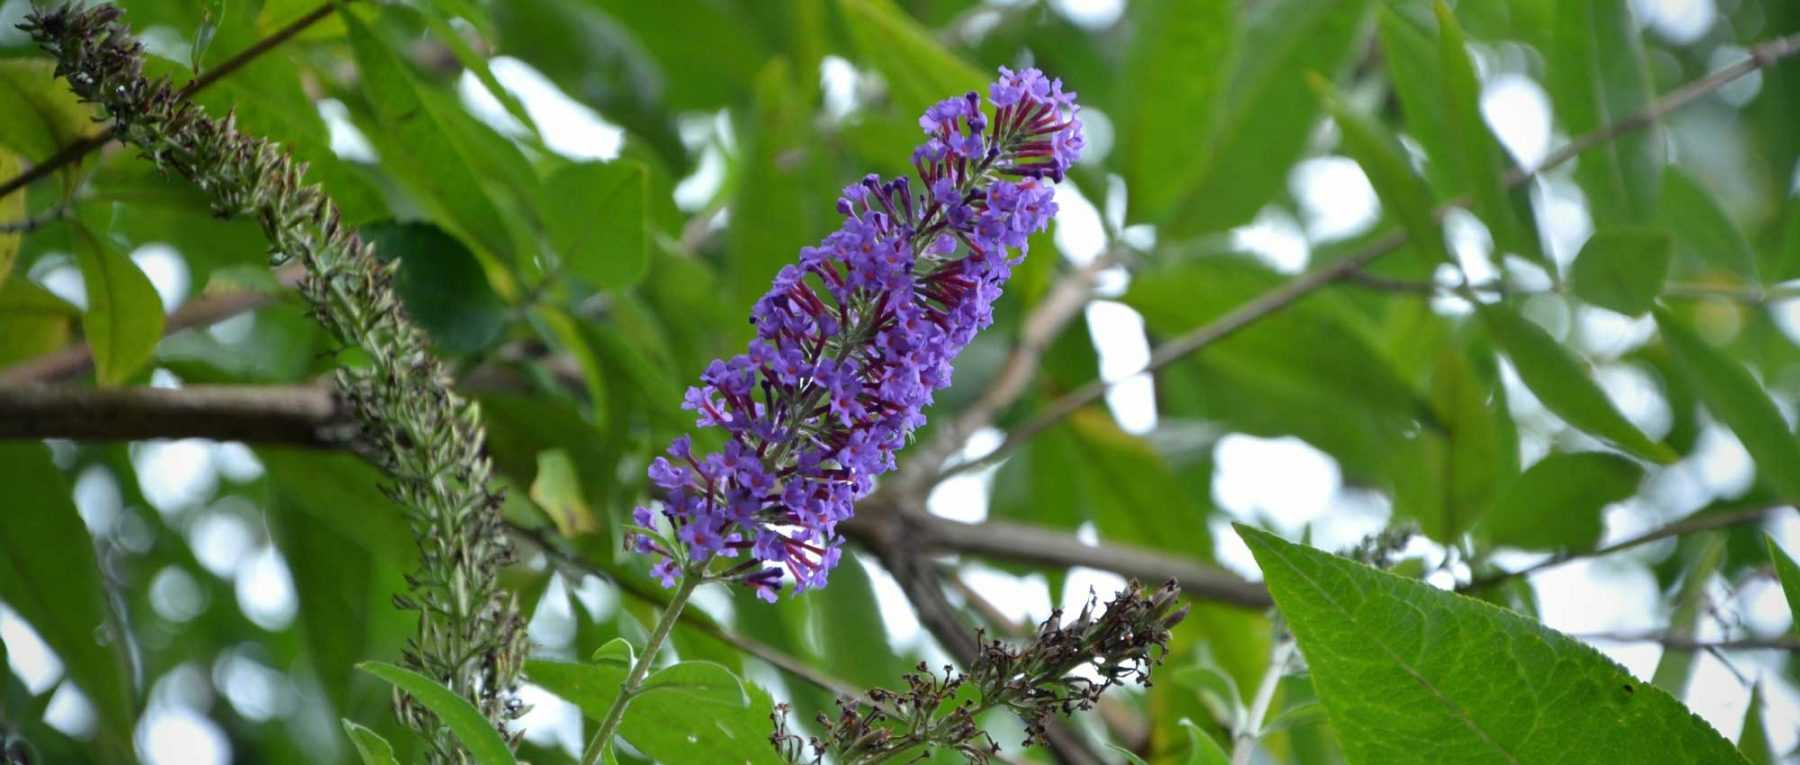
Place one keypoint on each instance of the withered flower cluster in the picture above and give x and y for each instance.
(1036, 680)
(423, 436)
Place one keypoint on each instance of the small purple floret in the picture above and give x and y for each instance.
(854, 341)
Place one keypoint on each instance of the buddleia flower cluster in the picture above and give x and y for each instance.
(1064, 668)
(854, 340)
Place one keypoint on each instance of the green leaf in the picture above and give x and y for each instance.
(1561, 382)
(124, 318)
(43, 115)
(1702, 227)
(1135, 495)
(1266, 114)
(36, 320)
(920, 71)
(1556, 503)
(50, 576)
(1203, 750)
(557, 489)
(777, 206)
(1738, 400)
(1413, 674)
(616, 652)
(373, 749)
(1181, 51)
(1447, 477)
(1598, 78)
(12, 210)
(1753, 738)
(598, 215)
(1622, 269)
(1130, 756)
(1382, 158)
(1479, 160)
(481, 740)
(441, 283)
(848, 628)
(438, 17)
(422, 151)
(736, 715)
(1788, 574)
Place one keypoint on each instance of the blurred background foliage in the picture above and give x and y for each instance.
(585, 197)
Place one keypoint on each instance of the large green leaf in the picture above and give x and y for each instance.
(1479, 161)
(1412, 674)
(441, 283)
(482, 741)
(1702, 227)
(49, 575)
(702, 714)
(43, 115)
(1622, 269)
(1556, 503)
(1262, 125)
(920, 71)
(598, 215)
(1561, 382)
(1598, 78)
(124, 317)
(424, 153)
(1181, 51)
(36, 320)
(1447, 478)
(1787, 573)
(1734, 396)
(1401, 189)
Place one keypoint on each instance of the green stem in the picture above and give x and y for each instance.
(629, 688)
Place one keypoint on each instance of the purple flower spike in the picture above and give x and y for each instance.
(855, 341)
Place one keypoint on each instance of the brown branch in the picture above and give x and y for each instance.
(78, 358)
(86, 145)
(1691, 524)
(1762, 55)
(1688, 643)
(295, 415)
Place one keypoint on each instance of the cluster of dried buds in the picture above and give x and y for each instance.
(1119, 643)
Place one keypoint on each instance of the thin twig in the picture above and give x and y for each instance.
(28, 225)
(1693, 523)
(87, 144)
(1690, 643)
(1762, 55)
(1736, 293)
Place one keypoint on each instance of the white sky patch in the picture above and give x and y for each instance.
(1080, 582)
(1721, 463)
(175, 595)
(1276, 238)
(1637, 397)
(175, 475)
(699, 187)
(1336, 198)
(838, 84)
(167, 272)
(347, 140)
(1563, 214)
(1607, 335)
(1473, 247)
(567, 126)
(1080, 234)
(70, 711)
(903, 627)
(964, 496)
(1518, 110)
(1284, 480)
(29, 656)
(1090, 14)
(1678, 21)
(220, 542)
(1023, 600)
(1119, 339)
(236, 462)
(1585, 597)
(1097, 128)
(97, 499)
(181, 735)
(550, 721)
(265, 591)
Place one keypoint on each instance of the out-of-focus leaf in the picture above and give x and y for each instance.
(617, 652)
(1556, 503)
(777, 207)
(1477, 155)
(1699, 561)
(1412, 674)
(1130, 756)
(1202, 749)
(421, 149)
(1622, 269)
(373, 749)
(1044, 483)
(1135, 497)
(1267, 113)
(1560, 380)
(1734, 396)
(1450, 475)
(1181, 51)
(1597, 79)
(49, 575)
(737, 714)
(707, 52)
(332, 577)
(1787, 572)
(211, 11)
(598, 219)
(438, 16)
(1382, 158)
(124, 317)
(850, 632)
(12, 212)
(919, 70)
(43, 115)
(484, 743)
(1701, 226)
(37, 321)
(441, 283)
(557, 489)
(1753, 738)
(1414, 71)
